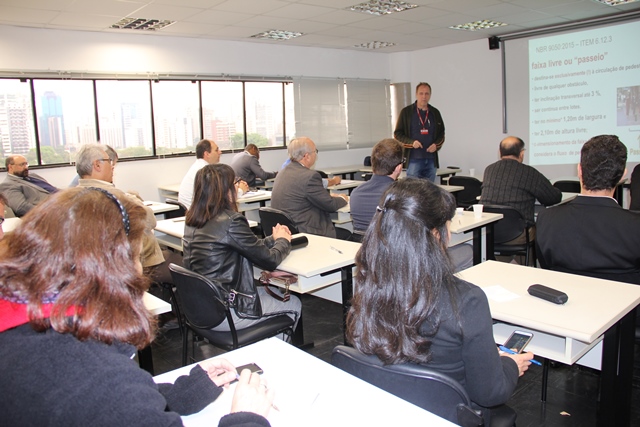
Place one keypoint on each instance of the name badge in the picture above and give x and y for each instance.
(424, 131)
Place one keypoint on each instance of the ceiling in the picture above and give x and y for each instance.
(324, 23)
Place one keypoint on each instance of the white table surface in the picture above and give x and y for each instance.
(345, 184)
(594, 305)
(158, 207)
(10, 224)
(310, 392)
(155, 305)
(467, 221)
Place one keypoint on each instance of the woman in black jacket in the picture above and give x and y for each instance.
(218, 243)
(409, 307)
(72, 315)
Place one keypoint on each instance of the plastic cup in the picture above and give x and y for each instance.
(477, 211)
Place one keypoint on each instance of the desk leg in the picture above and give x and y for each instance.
(145, 359)
(347, 294)
(616, 376)
(477, 246)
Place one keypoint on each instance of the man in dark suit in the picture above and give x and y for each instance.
(247, 167)
(299, 192)
(592, 235)
(23, 190)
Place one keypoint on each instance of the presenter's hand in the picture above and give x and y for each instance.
(251, 395)
(523, 360)
(220, 371)
(432, 148)
(281, 231)
(417, 144)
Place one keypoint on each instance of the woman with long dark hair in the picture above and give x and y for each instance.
(409, 307)
(72, 315)
(218, 243)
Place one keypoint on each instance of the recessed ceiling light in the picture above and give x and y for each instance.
(141, 24)
(382, 7)
(374, 45)
(478, 25)
(614, 2)
(277, 35)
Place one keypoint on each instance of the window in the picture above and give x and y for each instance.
(223, 113)
(264, 114)
(176, 114)
(17, 129)
(124, 116)
(65, 119)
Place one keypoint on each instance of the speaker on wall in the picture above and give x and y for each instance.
(494, 43)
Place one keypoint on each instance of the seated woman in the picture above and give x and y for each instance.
(409, 307)
(218, 243)
(72, 315)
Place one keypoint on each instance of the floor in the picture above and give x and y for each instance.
(572, 391)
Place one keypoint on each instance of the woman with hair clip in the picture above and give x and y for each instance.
(409, 307)
(218, 243)
(72, 315)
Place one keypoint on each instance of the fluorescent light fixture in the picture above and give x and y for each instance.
(614, 2)
(141, 24)
(382, 7)
(478, 25)
(277, 35)
(374, 45)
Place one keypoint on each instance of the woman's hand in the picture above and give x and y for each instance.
(281, 231)
(522, 360)
(251, 395)
(220, 371)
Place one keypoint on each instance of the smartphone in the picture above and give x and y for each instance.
(251, 366)
(518, 341)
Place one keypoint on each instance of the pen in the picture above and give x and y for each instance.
(272, 405)
(336, 249)
(508, 350)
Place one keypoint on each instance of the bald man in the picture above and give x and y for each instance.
(299, 192)
(512, 183)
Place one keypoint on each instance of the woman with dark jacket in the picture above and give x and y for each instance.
(409, 307)
(218, 243)
(72, 315)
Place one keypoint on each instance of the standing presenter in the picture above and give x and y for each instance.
(420, 127)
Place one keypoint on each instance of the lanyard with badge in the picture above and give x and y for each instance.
(424, 124)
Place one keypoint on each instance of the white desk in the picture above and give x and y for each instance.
(253, 200)
(159, 208)
(310, 392)
(345, 172)
(597, 309)
(169, 191)
(345, 184)
(156, 306)
(169, 232)
(10, 224)
(468, 223)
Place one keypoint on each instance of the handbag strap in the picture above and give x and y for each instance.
(287, 280)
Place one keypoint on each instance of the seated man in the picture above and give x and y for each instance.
(23, 191)
(298, 191)
(386, 161)
(512, 183)
(95, 170)
(592, 235)
(207, 153)
(247, 167)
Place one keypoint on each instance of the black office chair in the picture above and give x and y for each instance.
(204, 306)
(269, 217)
(367, 161)
(508, 228)
(472, 189)
(568, 185)
(424, 387)
(181, 211)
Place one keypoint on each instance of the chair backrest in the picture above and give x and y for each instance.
(269, 217)
(181, 211)
(424, 387)
(201, 301)
(510, 226)
(367, 161)
(568, 186)
(472, 189)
